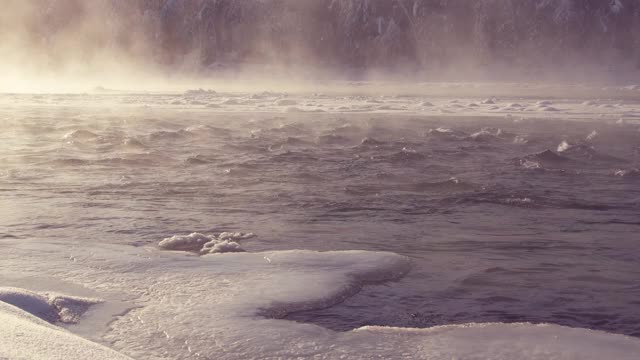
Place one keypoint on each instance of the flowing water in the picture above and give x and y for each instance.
(505, 219)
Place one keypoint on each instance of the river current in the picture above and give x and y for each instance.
(506, 218)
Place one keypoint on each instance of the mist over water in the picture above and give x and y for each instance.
(72, 43)
(320, 179)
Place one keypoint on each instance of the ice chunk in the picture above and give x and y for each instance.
(191, 242)
(564, 146)
(206, 244)
(218, 247)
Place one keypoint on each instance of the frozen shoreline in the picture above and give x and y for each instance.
(210, 307)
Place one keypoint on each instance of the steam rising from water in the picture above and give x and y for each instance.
(77, 45)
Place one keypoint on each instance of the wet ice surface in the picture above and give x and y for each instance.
(506, 215)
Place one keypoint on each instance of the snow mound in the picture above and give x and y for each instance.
(206, 244)
(25, 336)
(231, 307)
(50, 307)
(505, 341)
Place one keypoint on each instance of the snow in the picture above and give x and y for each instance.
(25, 336)
(228, 306)
(458, 99)
(206, 244)
(49, 307)
(564, 146)
(191, 242)
(285, 102)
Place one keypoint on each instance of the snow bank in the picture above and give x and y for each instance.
(226, 320)
(25, 336)
(229, 307)
(50, 307)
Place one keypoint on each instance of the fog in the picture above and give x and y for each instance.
(75, 45)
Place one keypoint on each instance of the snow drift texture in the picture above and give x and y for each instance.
(398, 35)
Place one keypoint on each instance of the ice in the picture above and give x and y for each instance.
(206, 244)
(235, 236)
(564, 146)
(25, 336)
(50, 307)
(232, 102)
(220, 247)
(293, 109)
(199, 92)
(285, 102)
(229, 307)
(191, 242)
